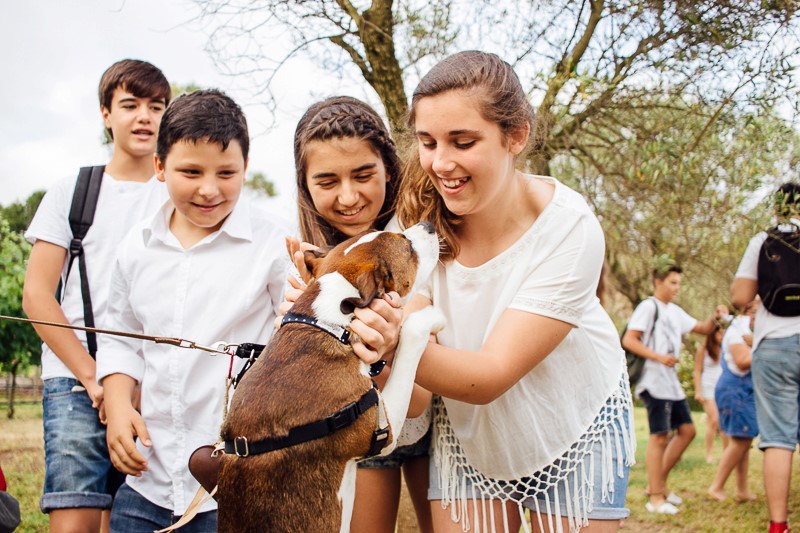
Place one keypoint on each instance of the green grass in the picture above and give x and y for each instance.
(22, 459)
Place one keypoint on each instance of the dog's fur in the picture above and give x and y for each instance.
(305, 375)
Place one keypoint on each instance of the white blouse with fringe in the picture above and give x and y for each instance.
(541, 430)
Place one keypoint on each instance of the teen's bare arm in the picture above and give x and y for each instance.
(632, 341)
(39, 303)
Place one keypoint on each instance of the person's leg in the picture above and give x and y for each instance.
(444, 523)
(659, 413)
(74, 520)
(681, 422)
(731, 458)
(415, 472)
(776, 385)
(777, 475)
(712, 427)
(377, 500)
(76, 459)
(743, 493)
(133, 513)
(595, 526)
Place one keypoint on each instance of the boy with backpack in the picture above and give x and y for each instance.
(79, 478)
(207, 267)
(770, 268)
(667, 409)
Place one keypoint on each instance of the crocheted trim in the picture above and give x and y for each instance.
(455, 471)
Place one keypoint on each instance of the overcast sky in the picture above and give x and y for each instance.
(54, 52)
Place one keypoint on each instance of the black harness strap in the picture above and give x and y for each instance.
(81, 216)
(341, 419)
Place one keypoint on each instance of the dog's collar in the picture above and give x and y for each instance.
(339, 333)
(341, 419)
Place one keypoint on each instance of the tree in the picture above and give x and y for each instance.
(19, 341)
(637, 100)
(19, 214)
(259, 183)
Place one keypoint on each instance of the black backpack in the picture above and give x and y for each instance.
(635, 362)
(779, 272)
(81, 216)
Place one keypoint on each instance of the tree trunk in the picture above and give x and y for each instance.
(12, 390)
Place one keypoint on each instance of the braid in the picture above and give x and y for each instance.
(335, 118)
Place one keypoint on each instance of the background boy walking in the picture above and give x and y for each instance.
(207, 267)
(133, 96)
(659, 387)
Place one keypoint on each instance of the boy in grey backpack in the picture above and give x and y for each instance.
(78, 472)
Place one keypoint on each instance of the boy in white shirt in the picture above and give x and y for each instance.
(208, 267)
(79, 478)
(776, 357)
(659, 387)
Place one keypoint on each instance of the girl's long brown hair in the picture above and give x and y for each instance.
(335, 118)
(500, 99)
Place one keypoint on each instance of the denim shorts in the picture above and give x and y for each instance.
(133, 513)
(776, 380)
(610, 508)
(78, 471)
(737, 406)
(400, 455)
(665, 415)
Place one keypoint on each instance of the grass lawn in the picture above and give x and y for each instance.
(22, 459)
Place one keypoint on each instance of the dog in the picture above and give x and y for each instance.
(309, 382)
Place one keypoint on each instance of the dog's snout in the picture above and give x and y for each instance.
(427, 226)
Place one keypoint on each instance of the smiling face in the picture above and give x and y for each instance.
(468, 158)
(667, 290)
(347, 182)
(204, 182)
(133, 122)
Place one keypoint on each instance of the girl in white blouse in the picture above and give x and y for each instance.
(533, 408)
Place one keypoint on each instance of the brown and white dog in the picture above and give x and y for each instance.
(306, 374)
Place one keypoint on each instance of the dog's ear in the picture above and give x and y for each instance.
(371, 284)
(313, 259)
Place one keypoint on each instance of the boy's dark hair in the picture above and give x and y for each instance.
(140, 78)
(663, 272)
(207, 115)
(787, 199)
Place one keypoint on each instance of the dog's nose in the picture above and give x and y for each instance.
(427, 226)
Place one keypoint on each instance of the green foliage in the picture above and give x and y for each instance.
(19, 341)
(19, 214)
(259, 183)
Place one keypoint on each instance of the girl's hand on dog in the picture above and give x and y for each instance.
(295, 248)
(378, 328)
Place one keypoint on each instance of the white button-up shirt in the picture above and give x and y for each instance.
(227, 287)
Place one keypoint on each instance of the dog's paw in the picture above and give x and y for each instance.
(428, 320)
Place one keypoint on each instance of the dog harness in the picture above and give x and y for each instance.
(341, 419)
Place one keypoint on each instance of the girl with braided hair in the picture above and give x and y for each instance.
(347, 174)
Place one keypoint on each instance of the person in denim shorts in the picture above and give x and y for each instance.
(79, 479)
(776, 365)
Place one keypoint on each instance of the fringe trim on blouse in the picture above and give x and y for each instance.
(609, 429)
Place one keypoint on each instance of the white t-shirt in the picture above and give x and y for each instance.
(227, 287)
(733, 336)
(768, 326)
(659, 380)
(120, 205)
(552, 270)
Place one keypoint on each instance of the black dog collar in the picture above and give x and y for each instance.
(339, 333)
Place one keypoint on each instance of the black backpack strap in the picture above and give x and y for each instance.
(81, 216)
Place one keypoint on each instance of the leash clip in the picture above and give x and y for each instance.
(219, 347)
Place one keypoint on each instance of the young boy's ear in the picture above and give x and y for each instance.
(159, 166)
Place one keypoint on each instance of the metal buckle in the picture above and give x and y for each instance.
(236, 442)
(343, 418)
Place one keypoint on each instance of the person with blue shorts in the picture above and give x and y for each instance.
(776, 361)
